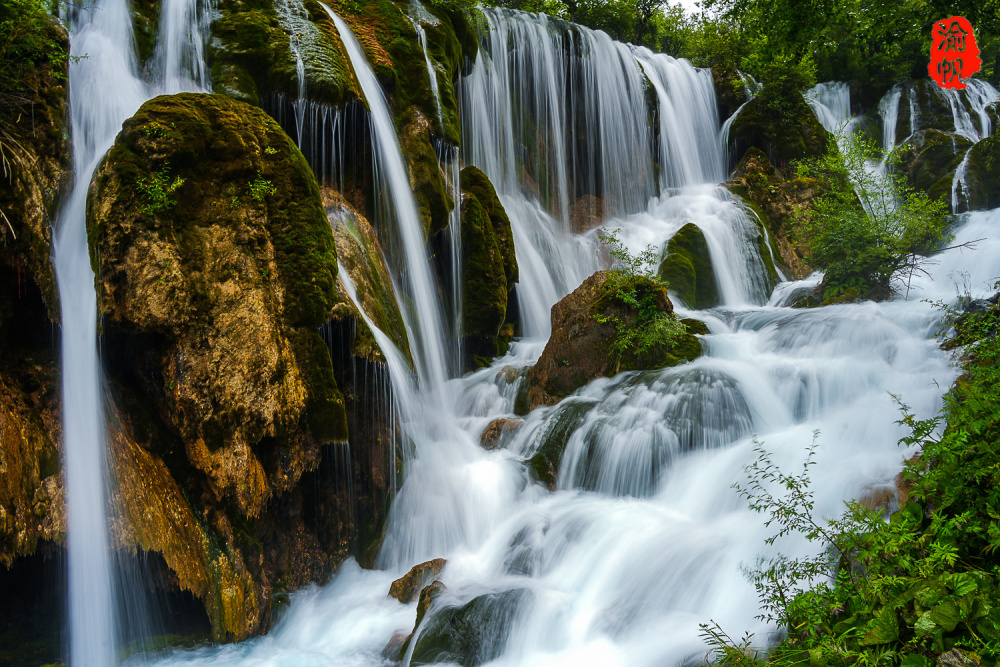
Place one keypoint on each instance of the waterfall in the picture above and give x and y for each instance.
(643, 538)
(418, 16)
(105, 90)
(424, 323)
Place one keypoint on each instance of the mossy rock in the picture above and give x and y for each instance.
(568, 416)
(983, 176)
(473, 634)
(687, 267)
(585, 325)
(40, 167)
(929, 158)
(209, 238)
(783, 136)
(781, 205)
(489, 268)
(145, 26)
(251, 53)
(933, 109)
(730, 92)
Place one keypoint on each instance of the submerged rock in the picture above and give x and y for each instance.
(470, 635)
(489, 269)
(498, 430)
(215, 267)
(687, 267)
(579, 348)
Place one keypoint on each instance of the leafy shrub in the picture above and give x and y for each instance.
(634, 284)
(869, 229)
(907, 590)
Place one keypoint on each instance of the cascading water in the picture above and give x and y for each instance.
(105, 91)
(424, 323)
(644, 538)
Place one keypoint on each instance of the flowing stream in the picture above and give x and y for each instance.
(644, 538)
(105, 90)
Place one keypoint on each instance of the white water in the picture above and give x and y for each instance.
(423, 321)
(418, 16)
(104, 91)
(644, 538)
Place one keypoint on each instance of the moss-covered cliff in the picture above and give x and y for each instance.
(215, 266)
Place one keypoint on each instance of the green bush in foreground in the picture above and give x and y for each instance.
(906, 591)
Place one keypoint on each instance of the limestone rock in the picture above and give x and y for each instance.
(498, 430)
(579, 348)
(983, 180)
(929, 158)
(405, 588)
(687, 267)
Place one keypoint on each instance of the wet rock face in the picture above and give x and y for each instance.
(579, 349)
(687, 268)
(983, 177)
(779, 203)
(36, 172)
(209, 238)
(782, 137)
(928, 160)
(489, 268)
(215, 267)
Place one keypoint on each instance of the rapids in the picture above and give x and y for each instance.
(645, 537)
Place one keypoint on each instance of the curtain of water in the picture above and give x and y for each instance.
(104, 91)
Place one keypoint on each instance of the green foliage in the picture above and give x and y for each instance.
(634, 284)
(27, 39)
(260, 188)
(906, 590)
(867, 229)
(156, 189)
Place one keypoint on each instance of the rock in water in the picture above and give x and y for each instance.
(406, 587)
(215, 267)
(580, 348)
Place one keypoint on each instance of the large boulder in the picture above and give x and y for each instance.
(215, 267)
(779, 203)
(983, 175)
(793, 134)
(687, 267)
(928, 160)
(489, 269)
(585, 325)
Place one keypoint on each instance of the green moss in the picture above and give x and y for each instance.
(478, 184)
(568, 417)
(251, 55)
(983, 177)
(145, 25)
(687, 268)
(929, 159)
(784, 137)
(484, 296)
(325, 409)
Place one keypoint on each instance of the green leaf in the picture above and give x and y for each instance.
(925, 625)
(963, 583)
(886, 628)
(946, 615)
(915, 660)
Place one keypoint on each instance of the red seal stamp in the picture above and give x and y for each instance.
(954, 53)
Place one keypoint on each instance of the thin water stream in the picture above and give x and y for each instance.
(105, 90)
(644, 537)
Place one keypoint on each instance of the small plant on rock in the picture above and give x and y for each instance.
(634, 284)
(156, 190)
